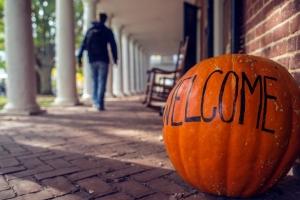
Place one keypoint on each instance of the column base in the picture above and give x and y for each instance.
(119, 94)
(109, 95)
(87, 98)
(65, 102)
(10, 109)
(133, 93)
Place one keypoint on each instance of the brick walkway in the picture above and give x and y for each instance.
(77, 153)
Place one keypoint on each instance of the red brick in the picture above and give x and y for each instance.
(57, 172)
(58, 163)
(295, 62)
(279, 49)
(118, 196)
(150, 175)
(70, 197)
(295, 24)
(96, 187)
(59, 186)
(257, 19)
(29, 172)
(15, 148)
(35, 155)
(258, 5)
(25, 186)
(274, 20)
(269, 8)
(85, 174)
(249, 36)
(281, 32)
(260, 29)
(7, 194)
(254, 45)
(9, 162)
(3, 184)
(290, 9)
(86, 164)
(125, 172)
(284, 61)
(266, 40)
(51, 157)
(266, 52)
(10, 170)
(200, 196)
(134, 189)
(157, 196)
(292, 43)
(31, 163)
(165, 186)
(296, 76)
(42, 195)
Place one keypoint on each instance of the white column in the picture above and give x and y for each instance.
(109, 83)
(117, 69)
(218, 27)
(21, 82)
(142, 66)
(65, 54)
(146, 67)
(125, 63)
(131, 66)
(89, 15)
(136, 68)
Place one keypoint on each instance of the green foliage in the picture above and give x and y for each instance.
(43, 21)
(43, 101)
(1, 25)
(2, 64)
(2, 101)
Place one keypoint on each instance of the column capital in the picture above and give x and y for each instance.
(90, 1)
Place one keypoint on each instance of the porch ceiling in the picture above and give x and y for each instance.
(155, 24)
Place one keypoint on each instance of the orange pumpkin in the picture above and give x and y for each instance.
(232, 125)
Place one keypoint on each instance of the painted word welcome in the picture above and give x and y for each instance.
(241, 84)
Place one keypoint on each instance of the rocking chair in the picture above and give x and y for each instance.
(160, 82)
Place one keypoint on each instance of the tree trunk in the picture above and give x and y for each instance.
(45, 80)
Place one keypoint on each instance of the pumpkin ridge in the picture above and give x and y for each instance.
(250, 154)
(181, 158)
(230, 138)
(251, 183)
(279, 164)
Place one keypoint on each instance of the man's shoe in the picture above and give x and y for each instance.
(101, 109)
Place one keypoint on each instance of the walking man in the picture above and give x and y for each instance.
(96, 42)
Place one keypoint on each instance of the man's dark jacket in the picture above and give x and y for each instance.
(101, 52)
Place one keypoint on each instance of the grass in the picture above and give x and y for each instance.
(43, 101)
(2, 101)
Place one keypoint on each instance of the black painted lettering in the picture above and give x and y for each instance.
(246, 81)
(192, 118)
(175, 99)
(205, 118)
(266, 97)
(236, 78)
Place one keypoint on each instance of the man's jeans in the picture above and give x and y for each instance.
(99, 73)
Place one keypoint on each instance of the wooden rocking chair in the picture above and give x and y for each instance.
(160, 82)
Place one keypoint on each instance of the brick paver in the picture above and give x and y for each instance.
(77, 153)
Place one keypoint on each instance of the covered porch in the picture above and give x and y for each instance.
(72, 151)
(75, 153)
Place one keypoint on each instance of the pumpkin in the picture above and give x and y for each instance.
(232, 125)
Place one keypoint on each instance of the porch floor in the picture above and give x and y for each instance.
(78, 153)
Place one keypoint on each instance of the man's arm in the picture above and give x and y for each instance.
(82, 48)
(113, 46)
